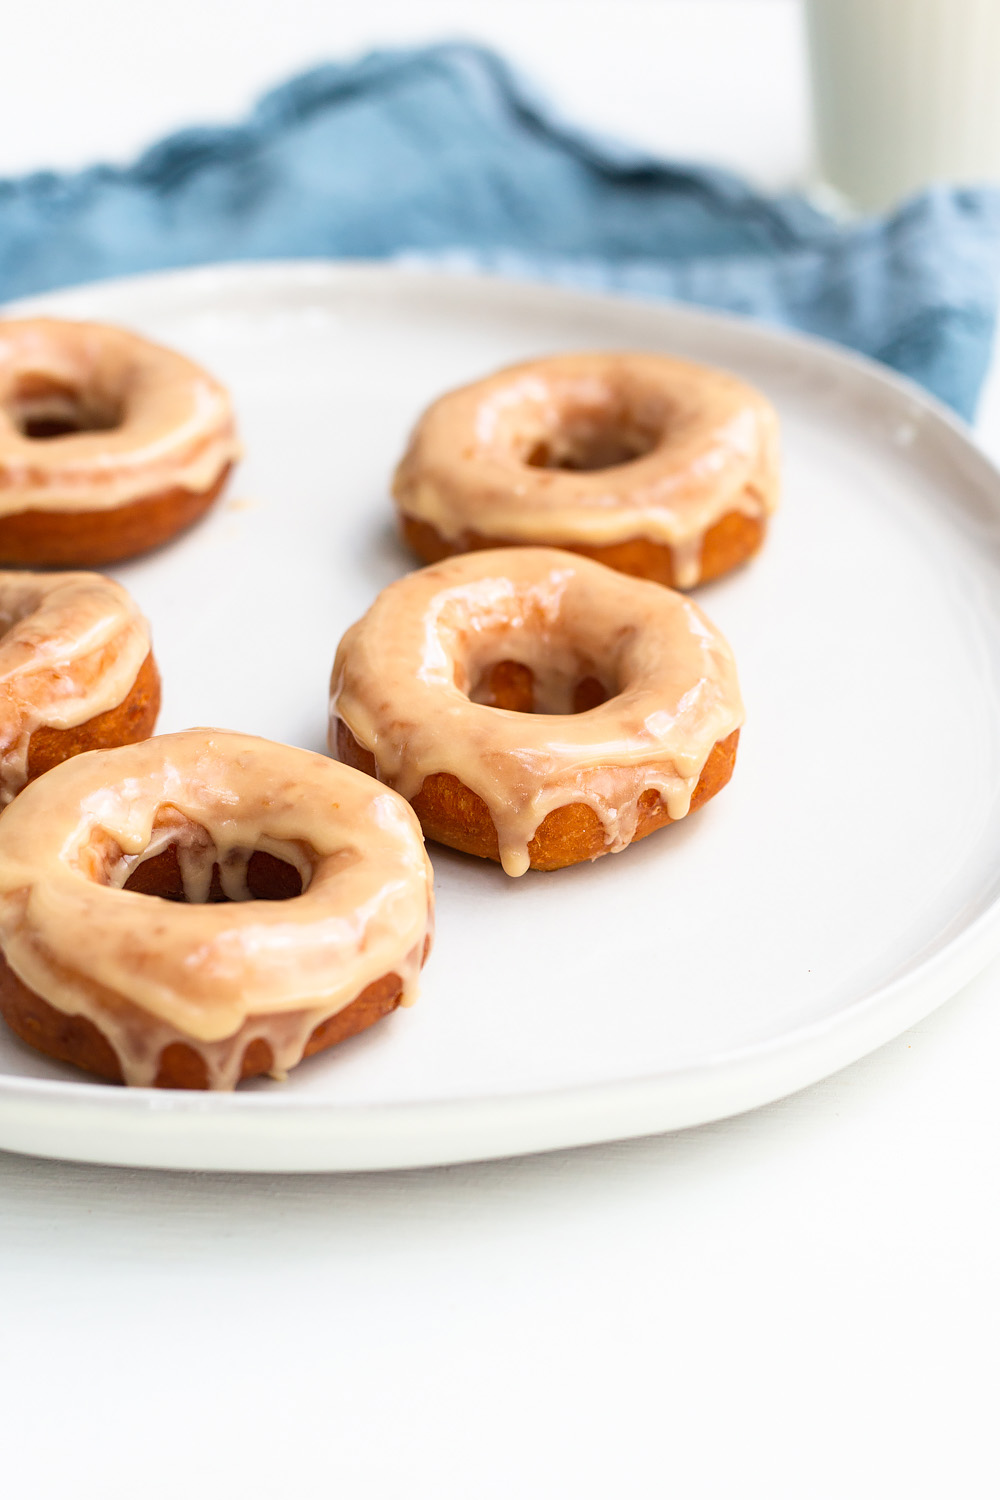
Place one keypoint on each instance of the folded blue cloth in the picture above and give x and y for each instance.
(444, 149)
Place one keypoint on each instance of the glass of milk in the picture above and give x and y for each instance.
(906, 92)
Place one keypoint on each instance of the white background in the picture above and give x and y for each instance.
(801, 1302)
(719, 78)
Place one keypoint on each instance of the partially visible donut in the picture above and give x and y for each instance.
(535, 707)
(657, 467)
(76, 672)
(205, 907)
(109, 444)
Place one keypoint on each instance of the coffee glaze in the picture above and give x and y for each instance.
(118, 419)
(218, 977)
(595, 452)
(407, 675)
(71, 648)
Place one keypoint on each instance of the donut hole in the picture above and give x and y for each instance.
(530, 645)
(589, 431)
(43, 408)
(182, 863)
(515, 686)
(267, 878)
(586, 449)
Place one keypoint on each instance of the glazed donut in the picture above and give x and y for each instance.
(535, 707)
(76, 672)
(109, 444)
(239, 981)
(659, 468)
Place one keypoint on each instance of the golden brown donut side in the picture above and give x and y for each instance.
(451, 814)
(69, 539)
(131, 720)
(77, 1040)
(729, 543)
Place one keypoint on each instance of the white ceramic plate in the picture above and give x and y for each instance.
(845, 883)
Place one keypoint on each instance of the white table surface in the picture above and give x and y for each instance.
(799, 1302)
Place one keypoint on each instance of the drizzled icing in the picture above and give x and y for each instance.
(71, 646)
(404, 674)
(148, 972)
(592, 450)
(157, 421)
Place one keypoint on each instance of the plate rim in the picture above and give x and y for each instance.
(448, 268)
(209, 1131)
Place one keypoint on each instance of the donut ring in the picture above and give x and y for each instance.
(636, 717)
(239, 982)
(76, 672)
(659, 468)
(109, 444)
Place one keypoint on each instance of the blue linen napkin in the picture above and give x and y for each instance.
(443, 148)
